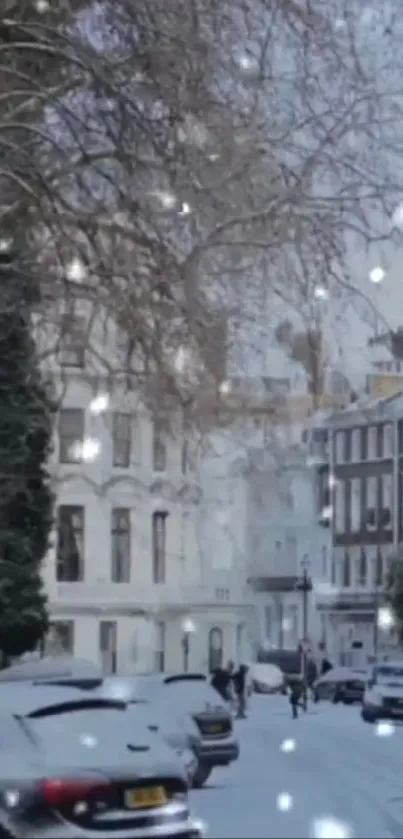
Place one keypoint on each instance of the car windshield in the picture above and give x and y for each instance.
(194, 694)
(389, 674)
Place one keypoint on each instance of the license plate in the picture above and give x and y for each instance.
(143, 797)
(398, 711)
(213, 729)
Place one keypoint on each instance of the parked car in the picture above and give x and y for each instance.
(72, 766)
(191, 693)
(383, 695)
(55, 670)
(178, 730)
(341, 684)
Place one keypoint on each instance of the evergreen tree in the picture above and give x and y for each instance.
(394, 592)
(26, 500)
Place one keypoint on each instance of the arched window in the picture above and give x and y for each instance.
(215, 648)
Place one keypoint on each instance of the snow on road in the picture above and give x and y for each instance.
(327, 775)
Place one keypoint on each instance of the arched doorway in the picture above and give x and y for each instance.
(215, 648)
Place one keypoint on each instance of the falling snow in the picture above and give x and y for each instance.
(284, 802)
(384, 728)
(99, 404)
(376, 275)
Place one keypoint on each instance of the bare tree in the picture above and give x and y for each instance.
(199, 159)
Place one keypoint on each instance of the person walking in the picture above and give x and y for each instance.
(240, 686)
(295, 697)
(221, 680)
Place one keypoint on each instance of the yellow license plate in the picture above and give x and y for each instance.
(143, 797)
(214, 729)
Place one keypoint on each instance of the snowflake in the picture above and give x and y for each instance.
(284, 802)
(288, 746)
(384, 729)
(377, 274)
(99, 404)
(76, 270)
(41, 6)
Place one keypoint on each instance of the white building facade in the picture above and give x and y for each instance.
(125, 578)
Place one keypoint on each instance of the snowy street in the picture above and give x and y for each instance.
(325, 775)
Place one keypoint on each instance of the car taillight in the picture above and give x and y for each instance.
(59, 791)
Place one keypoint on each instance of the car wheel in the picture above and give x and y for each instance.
(367, 716)
(203, 772)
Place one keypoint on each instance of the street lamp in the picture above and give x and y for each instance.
(188, 629)
(304, 585)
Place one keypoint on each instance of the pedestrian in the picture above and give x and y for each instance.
(295, 697)
(221, 680)
(240, 686)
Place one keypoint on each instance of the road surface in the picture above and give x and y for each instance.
(326, 775)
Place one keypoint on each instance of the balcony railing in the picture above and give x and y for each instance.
(142, 596)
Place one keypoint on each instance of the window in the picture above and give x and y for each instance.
(60, 638)
(333, 574)
(108, 646)
(70, 544)
(71, 434)
(389, 447)
(362, 568)
(340, 502)
(159, 446)
(346, 570)
(324, 561)
(159, 546)
(356, 502)
(268, 622)
(215, 648)
(372, 503)
(380, 434)
(340, 447)
(356, 445)
(386, 501)
(120, 533)
(364, 443)
(160, 646)
(372, 442)
(122, 439)
(73, 341)
(324, 493)
(347, 445)
(377, 569)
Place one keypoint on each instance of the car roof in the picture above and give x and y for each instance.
(51, 667)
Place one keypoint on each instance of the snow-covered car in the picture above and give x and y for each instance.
(176, 728)
(341, 684)
(191, 693)
(383, 695)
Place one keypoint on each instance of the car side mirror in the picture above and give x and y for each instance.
(153, 728)
(370, 684)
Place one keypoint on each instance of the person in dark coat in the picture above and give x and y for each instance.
(221, 680)
(240, 687)
(295, 697)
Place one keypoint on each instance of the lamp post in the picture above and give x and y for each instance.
(188, 629)
(304, 585)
